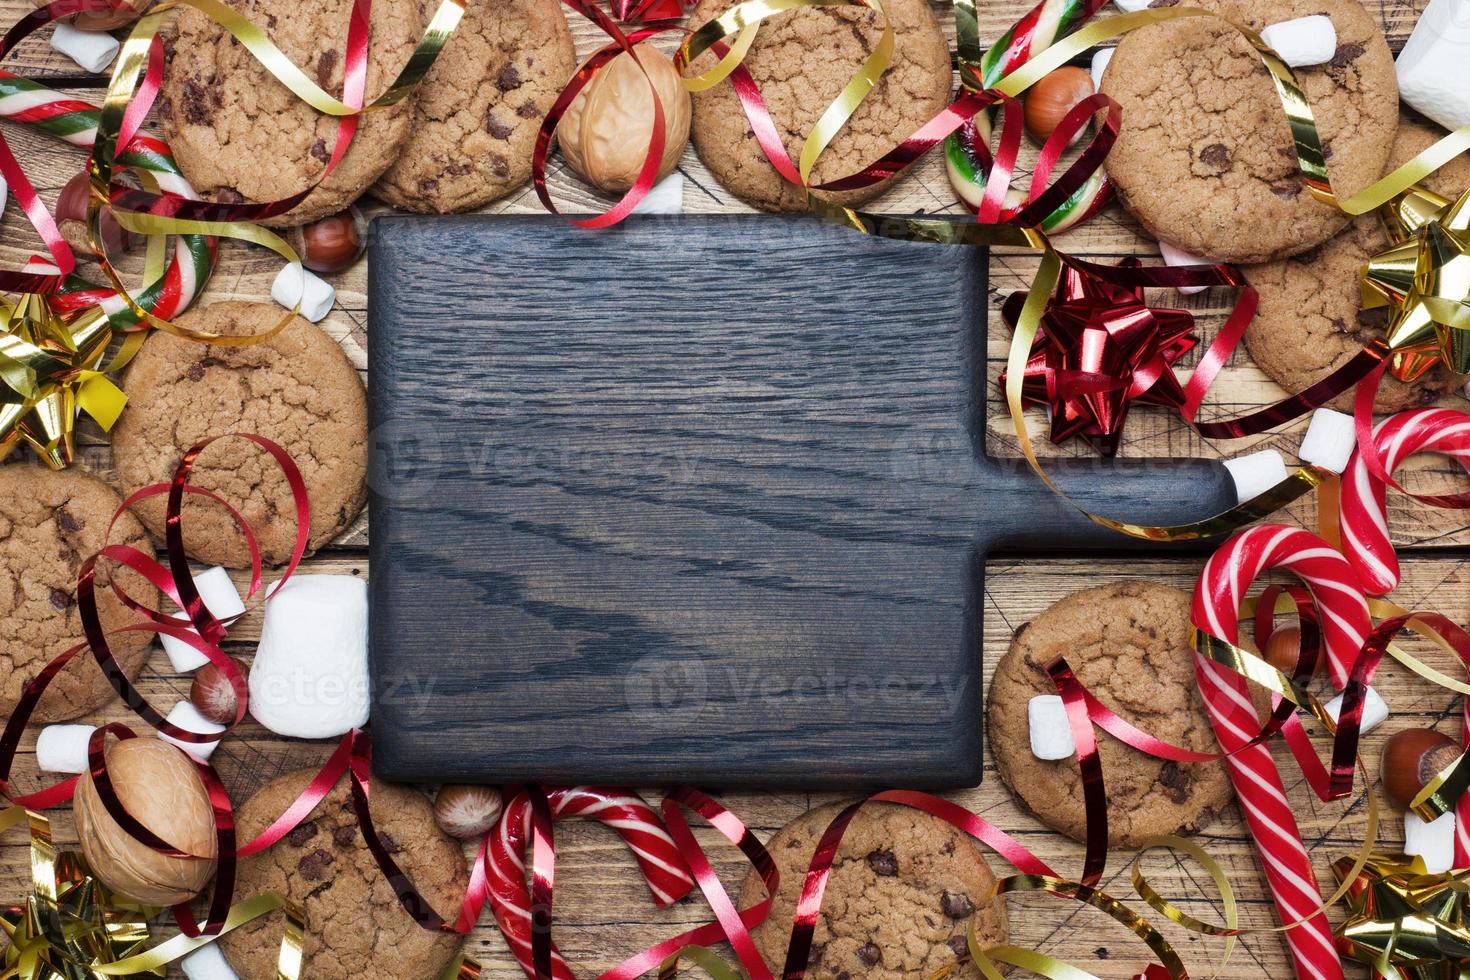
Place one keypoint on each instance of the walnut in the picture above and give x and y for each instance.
(605, 132)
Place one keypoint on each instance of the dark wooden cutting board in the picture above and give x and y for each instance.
(697, 499)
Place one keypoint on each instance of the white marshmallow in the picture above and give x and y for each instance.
(1330, 440)
(1130, 6)
(1434, 66)
(4, 195)
(186, 716)
(665, 197)
(309, 678)
(1433, 841)
(222, 599)
(63, 748)
(1051, 733)
(1375, 710)
(1100, 59)
(1303, 41)
(207, 963)
(1256, 473)
(92, 50)
(1177, 257)
(287, 290)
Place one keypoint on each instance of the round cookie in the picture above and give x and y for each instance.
(355, 927)
(1205, 159)
(1311, 320)
(297, 389)
(49, 524)
(240, 135)
(479, 108)
(901, 896)
(1128, 643)
(801, 60)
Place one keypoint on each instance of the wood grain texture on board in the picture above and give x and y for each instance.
(603, 910)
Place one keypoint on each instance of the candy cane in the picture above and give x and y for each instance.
(1345, 624)
(75, 121)
(965, 153)
(663, 868)
(1364, 498)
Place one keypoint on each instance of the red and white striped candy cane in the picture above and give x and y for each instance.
(1345, 624)
(663, 868)
(1365, 526)
(1364, 498)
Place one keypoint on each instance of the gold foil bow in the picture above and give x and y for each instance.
(1424, 279)
(70, 921)
(51, 367)
(1403, 922)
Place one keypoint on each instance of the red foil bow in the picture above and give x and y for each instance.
(1101, 347)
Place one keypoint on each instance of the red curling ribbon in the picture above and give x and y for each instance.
(321, 784)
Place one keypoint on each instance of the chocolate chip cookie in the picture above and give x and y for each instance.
(801, 60)
(1311, 319)
(902, 894)
(480, 107)
(297, 389)
(355, 927)
(49, 524)
(1129, 645)
(1205, 159)
(240, 135)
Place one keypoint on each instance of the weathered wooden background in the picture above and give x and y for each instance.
(603, 910)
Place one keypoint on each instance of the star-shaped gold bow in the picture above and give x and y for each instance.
(50, 370)
(70, 922)
(1424, 279)
(1405, 923)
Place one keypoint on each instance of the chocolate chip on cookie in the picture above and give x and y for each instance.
(1129, 645)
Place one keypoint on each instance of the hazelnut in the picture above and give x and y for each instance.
(604, 133)
(1284, 649)
(1411, 758)
(123, 14)
(333, 243)
(1053, 97)
(465, 812)
(71, 219)
(213, 696)
(157, 784)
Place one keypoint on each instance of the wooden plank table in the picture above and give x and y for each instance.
(603, 909)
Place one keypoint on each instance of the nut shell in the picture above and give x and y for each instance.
(161, 788)
(1053, 97)
(1284, 649)
(1411, 758)
(213, 696)
(604, 133)
(466, 812)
